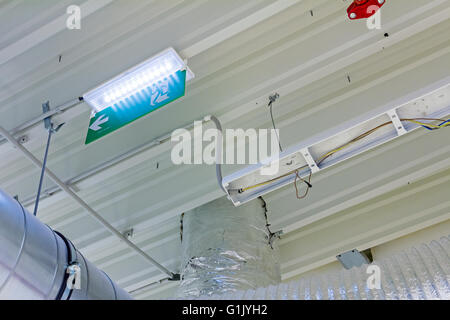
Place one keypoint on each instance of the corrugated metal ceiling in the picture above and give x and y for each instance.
(326, 68)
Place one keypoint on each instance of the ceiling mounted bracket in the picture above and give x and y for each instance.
(310, 160)
(397, 122)
(274, 97)
(353, 258)
(175, 277)
(48, 121)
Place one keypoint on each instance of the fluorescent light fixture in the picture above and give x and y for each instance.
(136, 79)
(311, 155)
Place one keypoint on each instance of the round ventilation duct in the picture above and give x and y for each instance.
(35, 262)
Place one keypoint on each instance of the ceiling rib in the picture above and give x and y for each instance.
(134, 194)
(189, 52)
(58, 25)
(47, 31)
(238, 27)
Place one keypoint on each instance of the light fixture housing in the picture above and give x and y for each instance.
(136, 79)
(430, 102)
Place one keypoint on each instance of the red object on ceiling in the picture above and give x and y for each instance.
(363, 9)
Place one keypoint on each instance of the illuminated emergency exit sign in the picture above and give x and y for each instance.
(140, 104)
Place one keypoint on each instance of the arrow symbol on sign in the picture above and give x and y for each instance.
(96, 125)
(162, 98)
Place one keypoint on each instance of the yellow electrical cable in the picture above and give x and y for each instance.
(429, 125)
(425, 124)
(348, 144)
(272, 180)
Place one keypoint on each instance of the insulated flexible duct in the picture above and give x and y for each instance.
(34, 262)
(225, 249)
(421, 273)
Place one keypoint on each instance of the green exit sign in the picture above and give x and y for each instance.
(136, 106)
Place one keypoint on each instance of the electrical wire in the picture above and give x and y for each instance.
(348, 144)
(429, 126)
(274, 127)
(308, 185)
(270, 181)
(418, 121)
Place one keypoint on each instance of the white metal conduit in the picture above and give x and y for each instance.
(420, 273)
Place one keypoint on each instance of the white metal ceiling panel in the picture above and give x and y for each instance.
(326, 69)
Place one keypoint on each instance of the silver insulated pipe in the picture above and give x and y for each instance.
(225, 249)
(418, 273)
(37, 263)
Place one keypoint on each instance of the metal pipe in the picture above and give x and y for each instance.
(41, 179)
(83, 204)
(35, 262)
